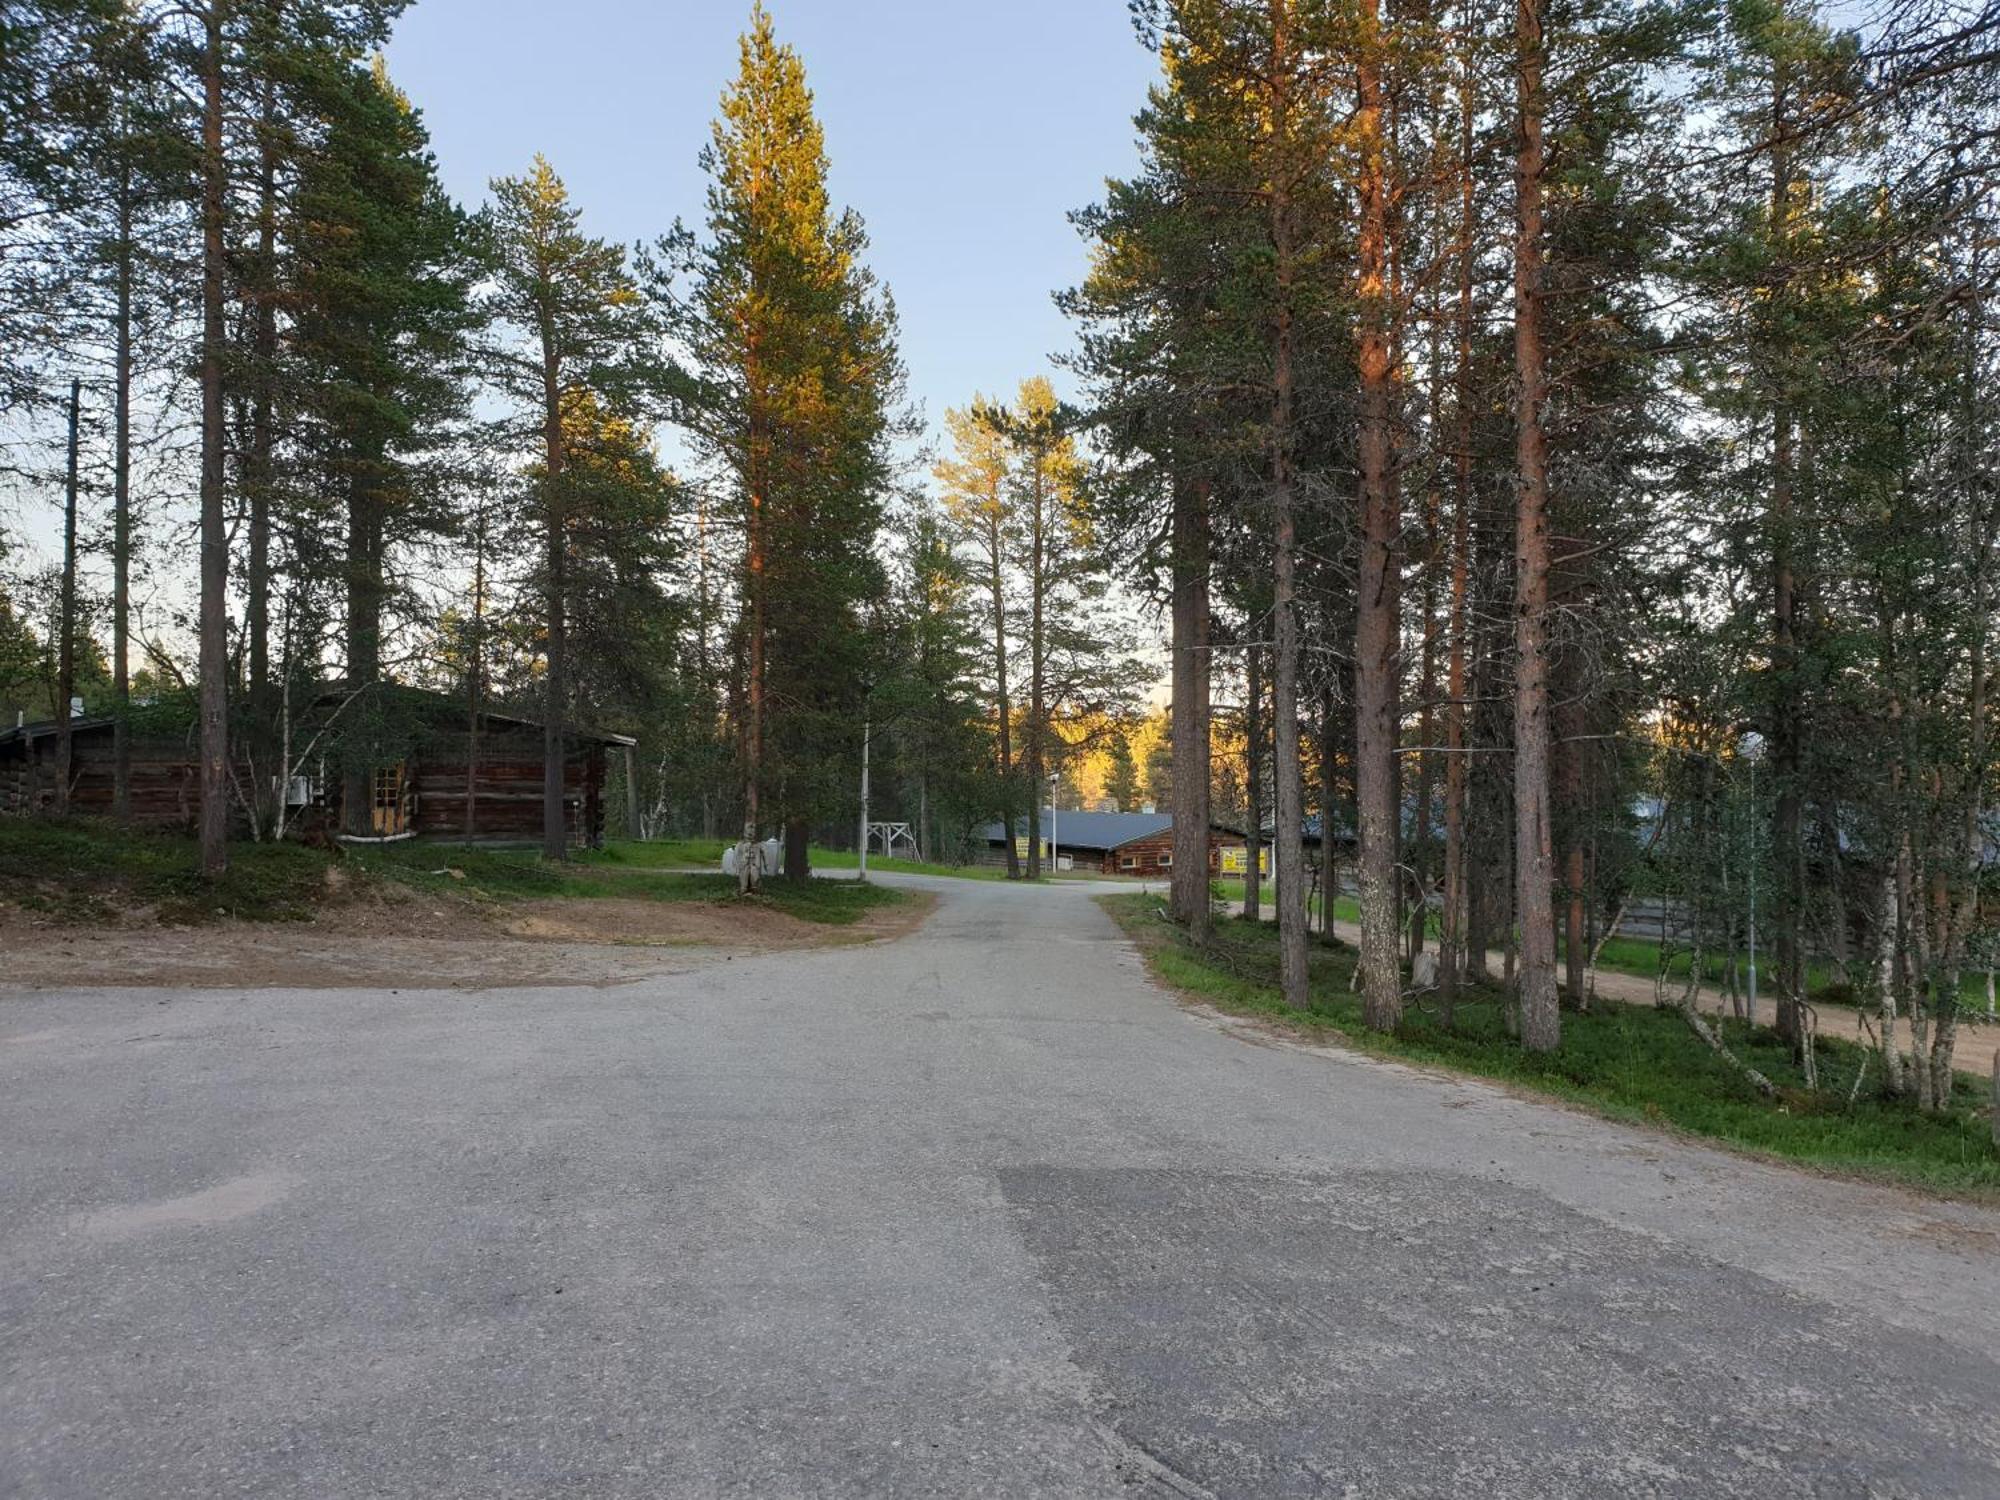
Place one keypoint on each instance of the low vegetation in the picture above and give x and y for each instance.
(1627, 1062)
(83, 870)
(1641, 957)
(706, 854)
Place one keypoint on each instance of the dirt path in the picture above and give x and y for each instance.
(411, 941)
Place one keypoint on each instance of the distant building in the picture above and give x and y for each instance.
(1109, 842)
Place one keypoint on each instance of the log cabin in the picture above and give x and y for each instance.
(417, 788)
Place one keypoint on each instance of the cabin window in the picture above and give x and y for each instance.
(1128, 862)
(1166, 859)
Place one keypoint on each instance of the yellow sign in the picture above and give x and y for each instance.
(1237, 861)
(1021, 848)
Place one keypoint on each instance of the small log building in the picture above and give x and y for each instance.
(421, 793)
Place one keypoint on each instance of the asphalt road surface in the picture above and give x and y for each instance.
(980, 1212)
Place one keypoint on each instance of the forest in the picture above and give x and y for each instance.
(1546, 449)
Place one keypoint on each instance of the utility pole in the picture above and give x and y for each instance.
(66, 627)
(1753, 891)
(866, 734)
(1752, 750)
(1055, 822)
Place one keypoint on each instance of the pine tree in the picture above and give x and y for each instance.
(973, 482)
(795, 343)
(579, 326)
(379, 274)
(1121, 785)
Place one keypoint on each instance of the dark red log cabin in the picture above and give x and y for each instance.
(1112, 843)
(421, 793)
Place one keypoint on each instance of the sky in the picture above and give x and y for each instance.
(963, 131)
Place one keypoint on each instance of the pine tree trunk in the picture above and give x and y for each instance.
(1457, 781)
(259, 470)
(1037, 669)
(1289, 770)
(364, 647)
(1190, 726)
(555, 823)
(1786, 819)
(798, 847)
(1004, 709)
(1541, 1019)
(66, 626)
(1576, 944)
(1378, 606)
(1330, 740)
(121, 511)
(214, 608)
(475, 680)
(1420, 854)
(1253, 768)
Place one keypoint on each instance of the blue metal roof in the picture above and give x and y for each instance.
(1087, 830)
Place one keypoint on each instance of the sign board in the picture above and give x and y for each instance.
(1237, 861)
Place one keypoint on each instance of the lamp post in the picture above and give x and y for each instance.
(866, 731)
(1055, 820)
(1752, 749)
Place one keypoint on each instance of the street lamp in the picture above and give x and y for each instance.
(867, 733)
(1055, 821)
(1752, 749)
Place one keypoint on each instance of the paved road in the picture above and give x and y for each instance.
(977, 1213)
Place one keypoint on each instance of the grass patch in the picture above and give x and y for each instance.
(88, 870)
(523, 875)
(659, 854)
(706, 854)
(1640, 957)
(1824, 979)
(84, 870)
(1627, 1062)
(1231, 888)
(847, 859)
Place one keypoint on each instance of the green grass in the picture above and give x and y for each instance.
(1824, 980)
(86, 870)
(684, 854)
(1628, 1062)
(846, 859)
(1641, 956)
(1230, 888)
(609, 874)
(81, 869)
(660, 854)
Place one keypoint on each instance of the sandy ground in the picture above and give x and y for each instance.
(421, 942)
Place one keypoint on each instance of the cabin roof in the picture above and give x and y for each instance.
(41, 729)
(1096, 830)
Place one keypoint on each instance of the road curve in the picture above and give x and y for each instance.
(978, 1212)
